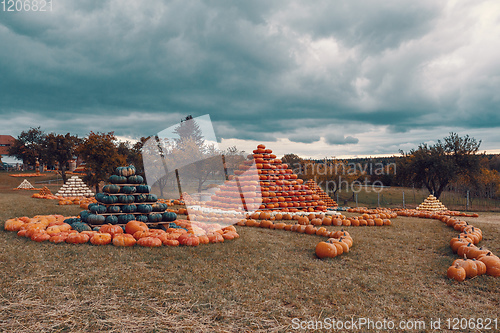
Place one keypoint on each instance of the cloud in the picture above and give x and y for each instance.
(263, 70)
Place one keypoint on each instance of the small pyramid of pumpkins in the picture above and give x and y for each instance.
(74, 187)
(431, 203)
(264, 182)
(45, 191)
(25, 185)
(311, 184)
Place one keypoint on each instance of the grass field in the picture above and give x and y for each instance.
(259, 282)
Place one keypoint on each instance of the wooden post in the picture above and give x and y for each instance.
(242, 197)
(225, 167)
(178, 183)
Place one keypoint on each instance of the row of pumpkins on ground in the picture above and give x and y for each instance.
(53, 228)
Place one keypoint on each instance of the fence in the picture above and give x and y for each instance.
(398, 197)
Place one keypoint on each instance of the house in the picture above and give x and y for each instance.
(5, 142)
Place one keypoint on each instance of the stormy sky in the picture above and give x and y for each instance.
(317, 78)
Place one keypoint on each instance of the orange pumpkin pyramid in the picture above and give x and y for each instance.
(264, 182)
(329, 202)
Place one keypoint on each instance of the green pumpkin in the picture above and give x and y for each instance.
(98, 209)
(112, 219)
(114, 209)
(84, 214)
(143, 188)
(129, 208)
(169, 216)
(128, 189)
(96, 219)
(115, 179)
(145, 209)
(126, 199)
(100, 196)
(135, 179)
(79, 226)
(111, 189)
(142, 218)
(123, 219)
(140, 198)
(154, 217)
(151, 198)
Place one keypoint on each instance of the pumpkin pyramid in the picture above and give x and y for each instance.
(264, 182)
(124, 199)
(74, 187)
(329, 202)
(25, 185)
(431, 203)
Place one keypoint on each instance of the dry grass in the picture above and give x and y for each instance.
(256, 283)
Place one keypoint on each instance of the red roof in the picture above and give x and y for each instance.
(5, 142)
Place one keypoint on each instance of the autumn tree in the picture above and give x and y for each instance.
(61, 149)
(28, 146)
(436, 166)
(294, 162)
(100, 153)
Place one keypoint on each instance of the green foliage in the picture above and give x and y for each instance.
(101, 156)
(28, 146)
(438, 165)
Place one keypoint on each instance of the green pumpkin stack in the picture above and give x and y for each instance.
(126, 198)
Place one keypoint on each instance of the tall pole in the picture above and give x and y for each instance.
(378, 199)
(404, 199)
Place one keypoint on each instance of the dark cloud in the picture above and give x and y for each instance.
(262, 70)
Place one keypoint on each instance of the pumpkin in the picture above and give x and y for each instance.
(141, 218)
(80, 226)
(98, 209)
(111, 229)
(124, 240)
(84, 215)
(468, 265)
(325, 250)
(111, 189)
(456, 273)
(40, 236)
(116, 179)
(136, 179)
(492, 264)
(127, 199)
(215, 237)
(123, 219)
(101, 238)
(481, 267)
(151, 198)
(58, 238)
(143, 189)
(149, 242)
(203, 239)
(155, 218)
(145, 209)
(13, 225)
(134, 226)
(77, 238)
(171, 242)
(96, 219)
(129, 208)
(128, 189)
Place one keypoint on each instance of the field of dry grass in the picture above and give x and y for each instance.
(259, 282)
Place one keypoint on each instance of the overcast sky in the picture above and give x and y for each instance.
(317, 78)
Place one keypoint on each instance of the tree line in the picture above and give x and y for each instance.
(102, 152)
(453, 163)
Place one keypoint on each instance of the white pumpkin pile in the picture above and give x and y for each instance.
(74, 187)
(25, 185)
(432, 204)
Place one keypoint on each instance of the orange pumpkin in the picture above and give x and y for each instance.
(124, 240)
(111, 229)
(101, 238)
(325, 250)
(149, 242)
(77, 238)
(133, 226)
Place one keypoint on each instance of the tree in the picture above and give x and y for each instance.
(294, 162)
(101, 157)
(438, 165)
(60, 149)
(28, 146)
(189, 129)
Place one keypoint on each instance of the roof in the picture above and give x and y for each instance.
(5, 140)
